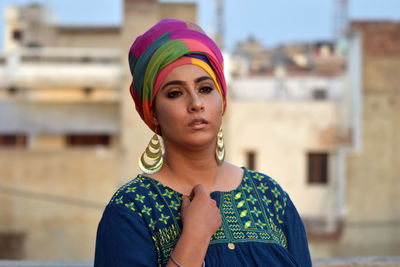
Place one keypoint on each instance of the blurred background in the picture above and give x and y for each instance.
(314, 101)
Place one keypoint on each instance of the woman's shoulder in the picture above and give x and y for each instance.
(261, 177)
(265, 183)
(133, 194)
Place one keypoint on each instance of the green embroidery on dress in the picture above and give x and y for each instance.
(159, 207)
(259, 177)
(164, 218)
(276, 192)
(240, 204)
(251, 199)
(139, 198)
(153, 195)
(146, 210)
(247, 188)
(278, 206)
(255, 211)
(266, 200)
(168, 193)
(270, 213)
(131, 189)
(260, 224)
(130, 206)
(147, 186)
(152, 223)
(167, 234)
(119, 200)
(278, 219)
(243, 214)
(174, 205)
(262, 187)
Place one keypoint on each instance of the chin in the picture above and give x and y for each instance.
(201, 139)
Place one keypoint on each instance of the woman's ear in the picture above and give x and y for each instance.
(155, 120)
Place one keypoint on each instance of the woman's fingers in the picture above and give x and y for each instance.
(185, 202)
(201, 215)
(198, 190)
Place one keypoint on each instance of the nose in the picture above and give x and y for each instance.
(196, 103)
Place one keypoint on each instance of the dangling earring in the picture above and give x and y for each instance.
(220, 150)
(152, 160)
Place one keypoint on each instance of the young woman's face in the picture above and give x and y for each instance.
(188, 107)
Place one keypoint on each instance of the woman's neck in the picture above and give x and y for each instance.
(184, 169)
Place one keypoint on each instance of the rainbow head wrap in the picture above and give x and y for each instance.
(169, 44)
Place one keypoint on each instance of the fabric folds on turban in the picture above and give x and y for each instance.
(167, 45)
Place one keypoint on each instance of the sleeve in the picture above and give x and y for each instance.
(123, 240)
(296, 236)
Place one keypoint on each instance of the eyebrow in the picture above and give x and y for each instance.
(177, 82)
(203, 78)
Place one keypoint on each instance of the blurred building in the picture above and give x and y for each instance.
(372, 218)
(290, 115)
(69, 132)
(324, 126)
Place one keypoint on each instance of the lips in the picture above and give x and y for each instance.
(198, 123)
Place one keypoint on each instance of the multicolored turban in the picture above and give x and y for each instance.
(167, 45)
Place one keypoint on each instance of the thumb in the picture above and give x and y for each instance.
(198, 190)
(185, 202)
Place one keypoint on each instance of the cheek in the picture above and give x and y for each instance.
(218, 104)
(215, 109)
(167, 114)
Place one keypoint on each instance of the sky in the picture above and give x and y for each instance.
(271, 22)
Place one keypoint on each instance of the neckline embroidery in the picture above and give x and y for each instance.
(159, 184)
(253, 212)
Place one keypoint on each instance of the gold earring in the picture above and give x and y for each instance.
(220, 150)
(152, 160)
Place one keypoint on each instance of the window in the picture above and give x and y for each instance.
(12, 140)
(12, 245)
(87, 91)
(319, 94)
(34, 45)
(317, 168)
(251, 159)
(17, 35)
(88, 140)
(12, 90)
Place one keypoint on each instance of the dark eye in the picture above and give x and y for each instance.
(206, 89)
(174, 94)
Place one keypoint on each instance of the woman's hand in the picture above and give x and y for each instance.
(200, 217)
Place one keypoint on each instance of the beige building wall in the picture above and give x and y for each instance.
(11, 23)
(281, 133)
(90, 37)
(55, 198)
(372, 221)
(373, 184)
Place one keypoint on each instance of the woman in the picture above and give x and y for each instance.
(190, 207)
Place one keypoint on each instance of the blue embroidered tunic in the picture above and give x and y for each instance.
(260, 226)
